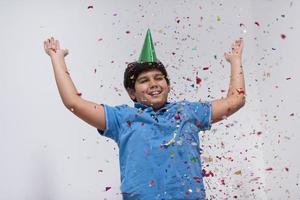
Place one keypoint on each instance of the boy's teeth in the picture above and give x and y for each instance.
(154, 93)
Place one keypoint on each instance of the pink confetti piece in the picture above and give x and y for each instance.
(79, 94)
(90, 7)
(107, 188)
(256, 23)
(151, 182)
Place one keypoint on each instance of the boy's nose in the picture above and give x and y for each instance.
(153, 83)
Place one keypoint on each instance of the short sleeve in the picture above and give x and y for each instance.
(113, 120)
(202, 113)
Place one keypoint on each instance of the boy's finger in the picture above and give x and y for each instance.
(57, 44)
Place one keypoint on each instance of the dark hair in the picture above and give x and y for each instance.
(134, 69)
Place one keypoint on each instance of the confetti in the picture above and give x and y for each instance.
(90, 7)
(198, 80)
(151, 183)
(283, 36)
(256, 23)
(239, 172)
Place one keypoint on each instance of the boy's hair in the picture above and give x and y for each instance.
(134, 69)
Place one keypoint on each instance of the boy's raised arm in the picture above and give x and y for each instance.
(235, 98)
(90, 112)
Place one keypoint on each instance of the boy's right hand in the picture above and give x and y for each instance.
(52, 48)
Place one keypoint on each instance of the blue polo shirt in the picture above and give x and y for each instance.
(159, 152)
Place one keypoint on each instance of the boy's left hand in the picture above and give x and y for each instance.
(235, 55)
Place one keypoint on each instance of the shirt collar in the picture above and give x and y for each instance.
(139, 105)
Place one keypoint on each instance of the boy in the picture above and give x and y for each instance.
(158, 140)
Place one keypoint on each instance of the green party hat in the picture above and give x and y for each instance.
(148, 52)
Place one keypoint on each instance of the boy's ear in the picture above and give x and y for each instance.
(131, 93)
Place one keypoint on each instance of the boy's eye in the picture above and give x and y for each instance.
(143, 80)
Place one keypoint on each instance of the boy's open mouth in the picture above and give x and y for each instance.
(154, 93)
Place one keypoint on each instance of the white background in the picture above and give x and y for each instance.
(47, 153)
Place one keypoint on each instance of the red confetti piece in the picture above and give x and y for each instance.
(241, 24)
(283, 36)
(205, 68)
(198, 123)
(142, 123)
(79, 94)
(197, 179)
(90, 7)
(286, 169)
(222, 181)
(240, 91)
(198, 80)
(256, 23)
(127, 32)
(207, 174)
(259, 133)
(292, 114)
(288, 78)
(177, 116)
(107, 188)
(129, 123)
(269, 169)
(95, 70)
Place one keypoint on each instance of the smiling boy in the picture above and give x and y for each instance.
(159, 147)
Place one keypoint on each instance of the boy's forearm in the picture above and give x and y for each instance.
(66, 87)
(237, 83)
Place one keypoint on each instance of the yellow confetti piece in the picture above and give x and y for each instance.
(218, 18)
(239, 172)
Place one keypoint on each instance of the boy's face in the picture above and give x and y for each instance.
(151, 89)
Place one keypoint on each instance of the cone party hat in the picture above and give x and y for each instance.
(148, 52)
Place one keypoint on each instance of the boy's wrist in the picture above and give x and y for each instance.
(57, 57)
(236, 62)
